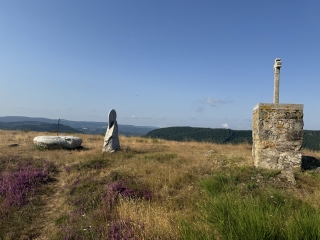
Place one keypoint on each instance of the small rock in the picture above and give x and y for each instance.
(288, 175)
(210, 152)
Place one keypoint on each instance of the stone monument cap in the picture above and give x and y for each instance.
(287, 106)
(277, 63)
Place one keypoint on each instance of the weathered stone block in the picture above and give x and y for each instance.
(277, 134)
(53, 142)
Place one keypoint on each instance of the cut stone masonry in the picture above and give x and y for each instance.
(277, 132)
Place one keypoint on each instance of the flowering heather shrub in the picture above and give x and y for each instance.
(122, 229)
(67, 168)
(16, 186)
(127, 189)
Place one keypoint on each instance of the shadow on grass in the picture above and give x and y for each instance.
(309, 163)
(59, 147)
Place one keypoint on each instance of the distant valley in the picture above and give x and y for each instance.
(67, 126)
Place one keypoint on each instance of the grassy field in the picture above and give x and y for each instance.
(150, 189)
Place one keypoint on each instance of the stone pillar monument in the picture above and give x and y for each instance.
(276, 69)
(277, 133)
(111, 139)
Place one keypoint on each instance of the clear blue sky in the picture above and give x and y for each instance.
(201, 63)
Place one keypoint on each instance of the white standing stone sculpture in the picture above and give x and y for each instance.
(54, 142)
(111, 139)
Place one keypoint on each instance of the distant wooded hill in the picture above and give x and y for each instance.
(37, 126)
(67, 126)
(311, 138)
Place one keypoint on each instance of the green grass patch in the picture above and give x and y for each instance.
(86, 194)
(237, 206)
(86, 218)
(93, 164)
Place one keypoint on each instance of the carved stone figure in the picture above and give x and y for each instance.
(111, 139)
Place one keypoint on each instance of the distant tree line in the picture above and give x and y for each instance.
(37, 126)
(66, 126)
(311, 138)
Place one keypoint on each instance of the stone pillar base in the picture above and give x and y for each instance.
(277, 134)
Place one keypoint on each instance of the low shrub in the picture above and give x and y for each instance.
(17, 185)
(127, 188)
(23, 183)
(124, 229)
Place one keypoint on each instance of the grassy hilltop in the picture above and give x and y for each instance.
(151, 189)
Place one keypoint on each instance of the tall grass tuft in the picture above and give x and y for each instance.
(237, 211)
(124, 229)
(303, 224)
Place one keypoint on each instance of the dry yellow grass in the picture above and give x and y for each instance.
(172, 169)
